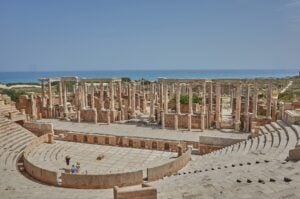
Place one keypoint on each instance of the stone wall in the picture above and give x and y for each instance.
(291, 116)
(183, 121)
(169, 168)
(144, 192)
(105, 181)
(39, 128)
(40, 174)
(123, 141)
(34, 171)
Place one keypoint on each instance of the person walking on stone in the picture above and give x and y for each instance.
(73, 169)
(68, 158)
(78, 166)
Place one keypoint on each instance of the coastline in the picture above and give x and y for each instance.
(32, 77)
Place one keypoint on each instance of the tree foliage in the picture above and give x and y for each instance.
(13, 93)
(184, 99)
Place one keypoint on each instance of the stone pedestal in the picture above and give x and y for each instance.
(162, 119)
(50, 138)
(95, 116)
(189, 122)
(176, 122)
(122, 114)
(237, 125)
(108, 117)
(202, 121)
(78, 117)
(179, 150)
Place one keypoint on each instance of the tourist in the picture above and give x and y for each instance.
(73, 169)
(78, 166)
(68, 158)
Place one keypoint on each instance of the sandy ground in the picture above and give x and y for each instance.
(3, 86)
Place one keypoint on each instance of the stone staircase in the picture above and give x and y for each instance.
(13, 140)
(254, 168)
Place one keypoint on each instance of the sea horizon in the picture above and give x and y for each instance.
(33, 76)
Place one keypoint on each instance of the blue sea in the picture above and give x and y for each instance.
(28, 77)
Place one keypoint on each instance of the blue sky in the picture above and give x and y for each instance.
(54, 35)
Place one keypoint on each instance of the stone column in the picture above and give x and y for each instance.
(218, 104)
(33, 107)
(86, 95)
(232, 100)
(190, 99)
(255, 100)
(95, 116)
(129, 97)
(65, 98)
(203, 114)
(210, 107)
(269, 99)
(246, 110)
(43, 93)
(120, 94)
(92, 97)
(152, 99)
(138, 101)
(172, 91)
(178, 91)
(274, 108)
(60, 93)
(144, 102)
(112, 97)
(237, 120)
(50, 98)
(281, 110)
(166, 98)
(133, 107)
(101, 97)
(161, 101)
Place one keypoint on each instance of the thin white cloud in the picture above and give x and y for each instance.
(293, 3)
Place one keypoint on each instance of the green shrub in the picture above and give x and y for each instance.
(184, 99)
(13, 94)
(287, 96)
(125, 79)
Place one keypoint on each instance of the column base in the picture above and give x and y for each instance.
(237, 125)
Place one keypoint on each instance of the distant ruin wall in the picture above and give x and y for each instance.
(39, 128)
(183, 121)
